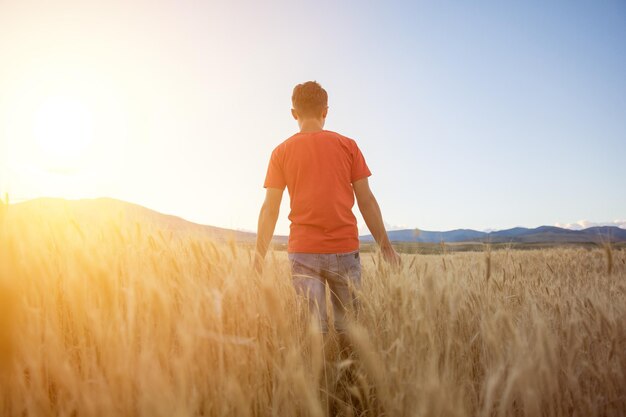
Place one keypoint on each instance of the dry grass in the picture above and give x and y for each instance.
(119, 320)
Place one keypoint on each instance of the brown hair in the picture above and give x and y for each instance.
(309, 99)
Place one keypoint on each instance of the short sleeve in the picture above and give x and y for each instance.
(275, 177)
(359, 167)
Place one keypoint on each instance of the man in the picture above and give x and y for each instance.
(323, 172)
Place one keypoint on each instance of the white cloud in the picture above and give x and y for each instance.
(584, 224)
(363, 230)
(396, 226)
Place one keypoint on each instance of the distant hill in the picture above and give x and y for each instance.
(104, 209)
(89, 211)
(542, 234)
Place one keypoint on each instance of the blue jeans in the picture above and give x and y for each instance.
(311, 273)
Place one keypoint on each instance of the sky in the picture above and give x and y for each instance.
(482, 115)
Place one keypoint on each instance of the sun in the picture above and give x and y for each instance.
(63, 130)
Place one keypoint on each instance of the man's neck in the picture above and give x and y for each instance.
(311, 125)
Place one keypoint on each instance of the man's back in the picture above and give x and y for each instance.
(318, 168)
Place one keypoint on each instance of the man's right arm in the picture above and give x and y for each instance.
(374, 219)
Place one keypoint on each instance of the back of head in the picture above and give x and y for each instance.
(309, 99)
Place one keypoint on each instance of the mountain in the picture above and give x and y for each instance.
(102, 210)
(542, 234)
(108, 210)
(459, 235)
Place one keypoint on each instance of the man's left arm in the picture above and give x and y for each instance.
(267, 223)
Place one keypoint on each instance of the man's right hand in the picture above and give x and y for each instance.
(391, 256)
(374, 220)
(258, 263)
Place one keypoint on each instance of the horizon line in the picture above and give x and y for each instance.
(618, 223)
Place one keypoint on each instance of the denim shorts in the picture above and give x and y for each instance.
(312, 272)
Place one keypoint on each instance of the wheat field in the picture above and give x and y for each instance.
(108, 317)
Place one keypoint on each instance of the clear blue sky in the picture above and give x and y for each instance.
(470, 114)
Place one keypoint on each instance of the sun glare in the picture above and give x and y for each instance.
(63, 129)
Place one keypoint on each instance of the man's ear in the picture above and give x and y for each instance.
(294, 114)
(325, 113)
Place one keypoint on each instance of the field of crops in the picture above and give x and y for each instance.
(113, 318)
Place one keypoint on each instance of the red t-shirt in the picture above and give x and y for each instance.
(318, 169)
